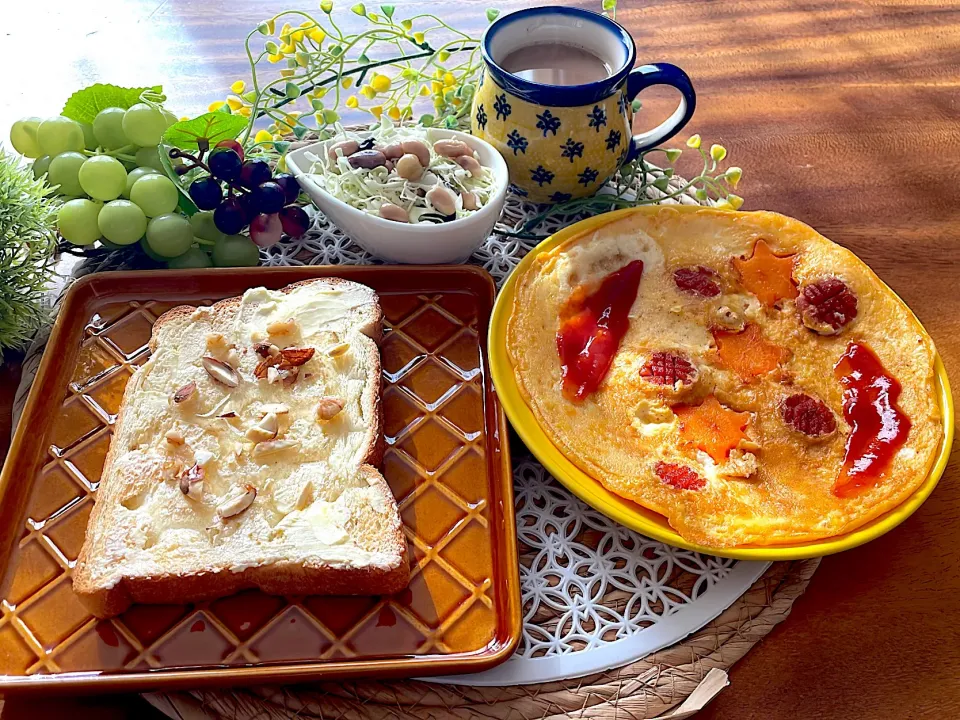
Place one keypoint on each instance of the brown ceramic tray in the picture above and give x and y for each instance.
(446, 461)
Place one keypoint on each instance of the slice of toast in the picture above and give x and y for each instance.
(243, 456)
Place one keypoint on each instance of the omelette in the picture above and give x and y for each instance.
(736, 372)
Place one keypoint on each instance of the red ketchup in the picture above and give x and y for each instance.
(591, 328)
(879, 427)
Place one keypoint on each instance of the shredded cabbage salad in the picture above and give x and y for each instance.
(369, 189)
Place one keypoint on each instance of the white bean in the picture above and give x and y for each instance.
(470, 164)
(452, 148)
(348, 147)
(469, 200)
(419, 149)
(409, 167)
(389, 211)
(442, 200)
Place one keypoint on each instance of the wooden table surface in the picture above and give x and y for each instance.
(842, 113)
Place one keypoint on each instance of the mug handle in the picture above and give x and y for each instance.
(660, 74)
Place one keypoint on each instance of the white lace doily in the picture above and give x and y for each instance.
(595, 595)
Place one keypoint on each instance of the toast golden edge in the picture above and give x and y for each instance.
(279, 578)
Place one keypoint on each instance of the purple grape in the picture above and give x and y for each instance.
(268, 198)
(265, 230)
(253, 172)
(225, 164)
(230, 217)
(294, 220)
(233, 145)
(206, 192)
(246, 202)
(291, 188)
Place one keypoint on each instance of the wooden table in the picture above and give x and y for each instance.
(842, 113)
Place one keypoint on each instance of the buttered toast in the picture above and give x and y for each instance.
(243, 456)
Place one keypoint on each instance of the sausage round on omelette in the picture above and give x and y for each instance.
(736, 372)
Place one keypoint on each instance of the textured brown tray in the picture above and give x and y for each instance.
(444, 462)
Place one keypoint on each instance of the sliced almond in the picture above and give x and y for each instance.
(338, 349)
(231, 507)
(272, 375)
(215, 409)
(184, 393)
(174, 437)
(289, 375)
(305, 496)
(264, 430)
(233, 358)
(273, 446)
(268, 362)
(295, 357)
(220, 371)
(202, 457)
(328, 408)
(282, 327)
(191, 482)
(278, 408)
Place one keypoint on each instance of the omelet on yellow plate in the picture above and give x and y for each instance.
(736, 372)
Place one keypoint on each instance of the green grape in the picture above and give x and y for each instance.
(235, 251)
(40, 166)
(89, 139)
(103, 177)
(122, 222)
(155, 194)
(108, 127)
(149, 157)
(135, 175)
(59, 135)
(150, 253)
(64, 171)
(23, 136)
(169, 235)
(111, 246)
(192, 258)
(204, 228)
(144, 124)
(77, 221)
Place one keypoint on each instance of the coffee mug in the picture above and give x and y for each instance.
(565, 141)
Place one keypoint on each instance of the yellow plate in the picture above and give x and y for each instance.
(646, 521)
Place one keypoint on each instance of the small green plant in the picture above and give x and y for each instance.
(28, 213)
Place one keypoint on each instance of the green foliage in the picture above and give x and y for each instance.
(28, 214)
(202, 133)
(84, 105)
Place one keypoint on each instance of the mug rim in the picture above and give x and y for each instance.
(558, 95)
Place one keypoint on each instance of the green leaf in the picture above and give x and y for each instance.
(84, 105)
(271, 47)
(426, 120)
(492, 14)
(205, 131)
(388, 10)
(609, 5)
(291, 90)
(185, 204)
(326, 6)
(406, 24)
(299, 131)
(635, 106)
(224, 110)
(359, 9)
(250, 96)
(281, 146)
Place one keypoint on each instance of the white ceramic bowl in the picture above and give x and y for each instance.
(423, 243)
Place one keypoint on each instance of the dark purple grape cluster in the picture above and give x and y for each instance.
(245, 193)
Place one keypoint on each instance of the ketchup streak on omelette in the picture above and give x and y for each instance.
(591, 328)
(869, 407)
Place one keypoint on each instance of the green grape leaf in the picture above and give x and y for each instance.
(202, 133)
(299, 131)
(84, 105)
(388, 10)
(492, 14)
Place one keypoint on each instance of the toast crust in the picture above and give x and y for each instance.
(282, 577)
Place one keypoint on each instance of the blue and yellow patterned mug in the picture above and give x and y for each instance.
(564, 141)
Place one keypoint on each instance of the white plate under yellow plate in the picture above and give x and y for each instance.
(634, 516)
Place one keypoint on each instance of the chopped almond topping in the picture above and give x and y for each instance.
(747, 353)
(711, 427)
(768, 276)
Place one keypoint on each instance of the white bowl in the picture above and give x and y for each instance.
(423, 243)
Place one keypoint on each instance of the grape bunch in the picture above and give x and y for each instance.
(123, 200)
(245, 193)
